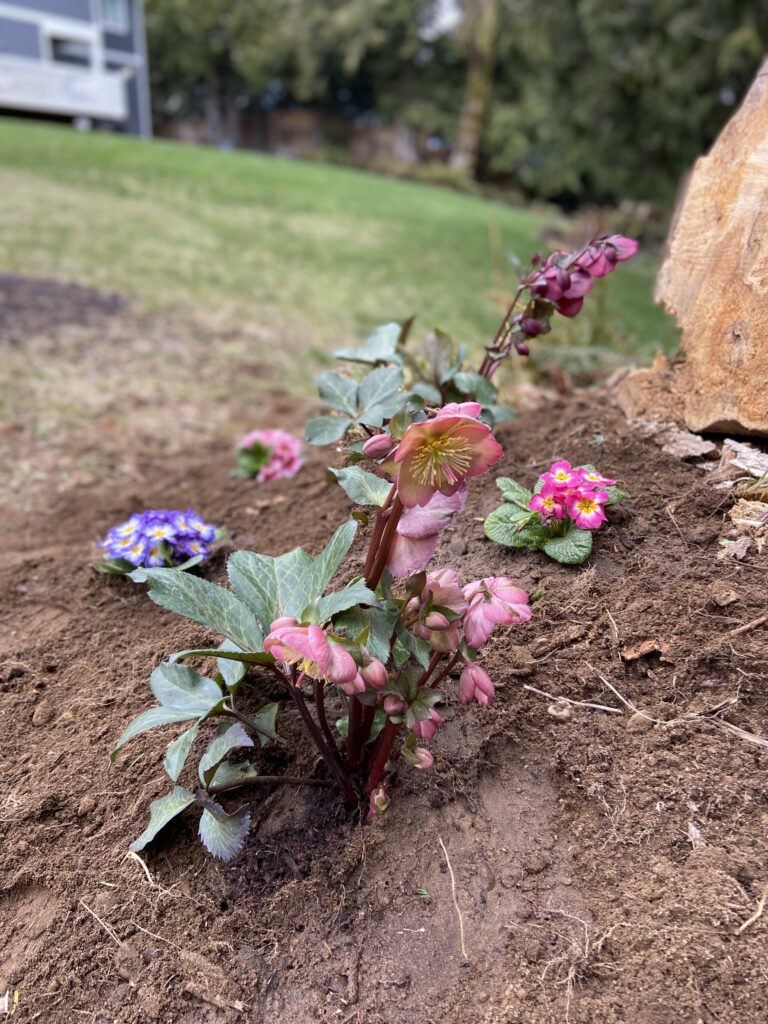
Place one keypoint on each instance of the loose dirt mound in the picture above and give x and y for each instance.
(603, 864)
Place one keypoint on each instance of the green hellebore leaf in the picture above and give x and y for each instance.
(573, 548)
(231, 773)
(232, 670)
(178, 751)
(204, 603)
(340, 393)
(379, 348)
(379, 385)
(472, 385)
(362, 487)
(227, 738)
(150, 719)
(326, 429)
(181, 688)
(161, 811)
(223, 834)
(354, 594)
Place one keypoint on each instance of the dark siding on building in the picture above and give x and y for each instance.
(19, 38)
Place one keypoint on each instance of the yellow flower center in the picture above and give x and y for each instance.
(442, 460)
(586, 505)
(562, 475)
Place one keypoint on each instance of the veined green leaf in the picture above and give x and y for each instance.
(161, 811)
(326, 429)
(223, 834)
(333, 554)
(178, 751)
(227, 738)
(338, 392)
(181, 688)
(354, 593)
(573, 548)
(362, 487)
(514, 492)
(231, 773)
(232, 669)
(205, 603)
(379, 348)
(150, 719)
(379, 385)
(506, 525)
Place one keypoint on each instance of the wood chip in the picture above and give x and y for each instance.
(646, 647)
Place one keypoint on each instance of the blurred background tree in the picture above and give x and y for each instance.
(572, 101)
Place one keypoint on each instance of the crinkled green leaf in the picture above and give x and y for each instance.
(338, 392)
(506, 523)
(573, 548)
(333, 554)
(223, 834)
(178, 751)
(420, 649)
(326, 429)
(228, 737)
(150, 719)
(181, 688)
(514, 492)
(161, 811)
(371, 627)
(230, 774)
(362, 487)
(379, 348)
(205, 603)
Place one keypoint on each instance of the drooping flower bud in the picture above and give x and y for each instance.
(436, 620)
(353, 686)
(426, 728)
(522, 349)
(394, 704)
(531, 327)
(379, 446)
(423, 758)
(375, 674)
(475, 684)
(379, 801)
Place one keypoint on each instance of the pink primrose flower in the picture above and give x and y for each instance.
(594, 478)
(313, 653)
(475, 684)
(439, 454)
(492, 601)
(586, 509)
(285, 459)
(562, 475)
(548, 502)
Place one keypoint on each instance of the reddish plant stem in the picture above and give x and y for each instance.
(321, 716)
(434, 661)
(438, 679)
(366, 724)
(378, 529)
(353, 730)
(329, 755)
(381, 752)
(372, 578)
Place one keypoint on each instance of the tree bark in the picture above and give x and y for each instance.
(483, 28)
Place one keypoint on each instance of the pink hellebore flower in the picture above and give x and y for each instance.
(422, 758)
(375, 674)
(475, 684)
(426, 728)
(494, 600)
(562, 475)
(471, 409)
(419, 530)
(439, 454)
(548, 502)
(564, 288)
(442, 589)
(353, 686)
(603, 255)
(311, 651)
(586, 509)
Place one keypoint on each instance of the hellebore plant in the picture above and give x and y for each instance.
(268, 455)
(360, 665)
(558, 516)
(158, 537)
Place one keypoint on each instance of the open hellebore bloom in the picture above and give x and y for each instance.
(475, 684)
(419, 530)
(564, 288)
(312, 652)
(438, 455)
(494, 600)
(586, 509)
(548, 502)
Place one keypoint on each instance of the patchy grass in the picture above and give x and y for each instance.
(319, 254)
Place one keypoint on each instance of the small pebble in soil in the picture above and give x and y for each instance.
(639, 723)
(561, 712)
(16, 672)
(42, 714)
(86, 805)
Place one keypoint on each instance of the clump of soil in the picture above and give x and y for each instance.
(605, 863)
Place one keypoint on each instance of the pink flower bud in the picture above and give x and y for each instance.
(475, 684)
(426, 728)
(394, 704)
(375, 674)
(356, 685)
(522, 349)
(378, 801)
(379, 446)
(531, 327)
(436, 620)
(422, 758)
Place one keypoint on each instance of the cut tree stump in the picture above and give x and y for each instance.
(714, 280)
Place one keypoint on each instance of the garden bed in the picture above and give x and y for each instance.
(603, 864)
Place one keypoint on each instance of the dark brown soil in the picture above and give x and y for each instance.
(604, 864)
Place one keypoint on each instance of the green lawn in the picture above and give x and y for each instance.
(318, 253)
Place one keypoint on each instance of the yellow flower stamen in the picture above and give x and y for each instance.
(441, 461)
